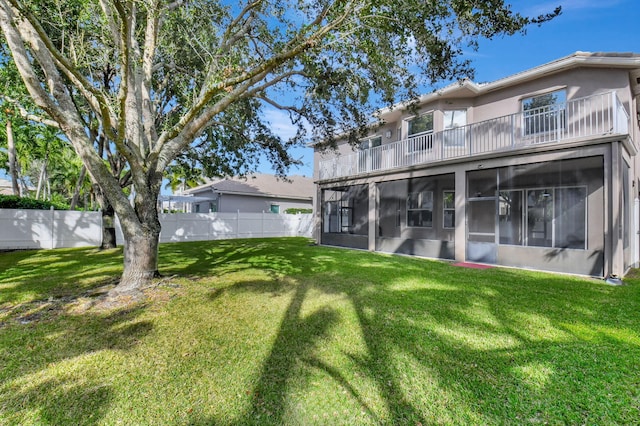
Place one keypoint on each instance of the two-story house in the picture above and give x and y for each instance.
(536, 170)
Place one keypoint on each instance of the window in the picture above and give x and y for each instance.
(448, 210)
(213, 206)
(420, 132)
(421, 124)
(510, 217)
(338, 214)
(545, 217)
(420, 209)
(571, 219)
(454, 127)
(345, 218)
(275, 208)
(371, 142)
(544, 113)
(540, 217)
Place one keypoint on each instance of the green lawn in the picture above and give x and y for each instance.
(280, 331)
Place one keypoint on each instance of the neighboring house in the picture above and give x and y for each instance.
(253, 194)
(537, 170)
(5, 187)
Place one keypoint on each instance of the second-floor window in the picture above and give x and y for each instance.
(420, 131)
(454, 133)
(371, 142)
(421, 124)
(544, 113)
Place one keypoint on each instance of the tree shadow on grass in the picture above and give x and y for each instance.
(48, 376)
(219, 258)
(464, 346)
(437, 344)
(298, 337)
(491, 354)
(37, 274)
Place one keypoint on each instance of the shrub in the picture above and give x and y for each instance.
(15, 202)
(298, 211)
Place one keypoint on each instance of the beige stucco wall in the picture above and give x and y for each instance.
(579, 83)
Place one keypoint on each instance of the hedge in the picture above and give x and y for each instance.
(15, 202)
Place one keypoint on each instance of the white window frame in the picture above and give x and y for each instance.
(421, 201)
(367, 143)
(451, 136)
(537, 121)
(415, 117)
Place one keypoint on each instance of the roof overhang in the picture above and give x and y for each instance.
(182, 198)
(262, 194)
(467, 88)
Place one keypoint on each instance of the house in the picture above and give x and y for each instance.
(6, 187)
(253, 194)
(536, 170)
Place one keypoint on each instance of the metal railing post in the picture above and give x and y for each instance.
(614, 107)
(513, 130)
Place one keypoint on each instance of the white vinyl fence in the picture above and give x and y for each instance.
(219, 226)
(36, 229)
(47, 229)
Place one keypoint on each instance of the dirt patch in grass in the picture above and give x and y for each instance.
(95, 300)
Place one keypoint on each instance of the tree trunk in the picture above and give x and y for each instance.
(141, 237)
(13, 164)
(108, 219)
(43, 172)
(140, 263)
(76, 191)
(108, 227)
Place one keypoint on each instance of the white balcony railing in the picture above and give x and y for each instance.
(596, 115)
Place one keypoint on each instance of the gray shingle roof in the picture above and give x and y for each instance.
(261, 185)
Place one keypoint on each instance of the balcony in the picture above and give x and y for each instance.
(593, 116)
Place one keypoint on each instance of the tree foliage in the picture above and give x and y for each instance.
(46, 164)
(160, 81)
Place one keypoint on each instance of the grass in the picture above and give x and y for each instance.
(279, 331)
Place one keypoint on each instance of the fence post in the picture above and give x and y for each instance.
(53, 224)
(262, 225)
(210, 219)
(238, 224)
(636, 241)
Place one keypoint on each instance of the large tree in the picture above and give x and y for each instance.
(190, 77)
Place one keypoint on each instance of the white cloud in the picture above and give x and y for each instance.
(281, 123)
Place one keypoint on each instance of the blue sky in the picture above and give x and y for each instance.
(585, 25)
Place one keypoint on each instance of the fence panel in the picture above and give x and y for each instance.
(46, 229)
(218, 226)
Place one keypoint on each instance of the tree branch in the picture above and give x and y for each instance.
(195, 120)
(28, 115)
(94, 97)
